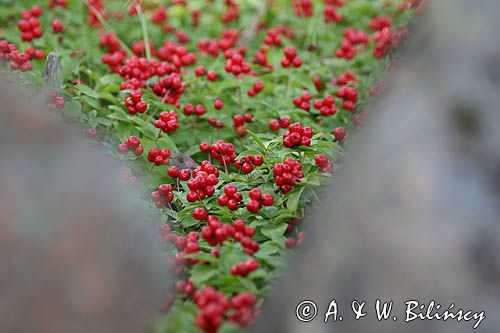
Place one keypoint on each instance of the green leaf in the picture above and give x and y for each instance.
(167, 142)
(257, 140)
(292, 202)
(200, 274)
(275, 232)
(86, 90)
(73, 109)
(146, 129)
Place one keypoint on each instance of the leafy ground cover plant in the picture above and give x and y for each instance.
(229, 115)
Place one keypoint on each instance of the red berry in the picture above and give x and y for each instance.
(253, 206)
(230, 190)
(173, 171)
(218, 104)
(321, 160)
(204, 146)
(199, 71)
(184, 174)
(274, 124)
(255, 194)
(267, 199)
(57, 26)
(211, 75)
(339, 134)
(200, 213)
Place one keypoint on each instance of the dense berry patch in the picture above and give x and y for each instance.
(228, 116)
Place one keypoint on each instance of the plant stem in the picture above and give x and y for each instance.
(145, 35)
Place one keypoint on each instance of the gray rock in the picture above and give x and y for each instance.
(78, 253)
(415, 212)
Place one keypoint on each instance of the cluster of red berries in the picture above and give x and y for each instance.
(257, 88)
(163, 195)
(142, 69)
(215, 122)
(29, 25)
(57, 26)
(185, 245)
(303, 7)
(345, 78)
(216, 232)
(331, 15)
(170, 88)
(229, 38)
(236, 65)
(303, 102)
(384, 40)
(182, 38)
(31, 52)
(139, 48)
(291, 242)
(260, 58)
(273, 37)
(231, 197)
(257, 198)
(159, 15)
(339, 134)
(202, 183)
(326, 106)
(190, 109)
(201, 71)
(110, 42)
(178, 55)
(134, 102)
(239, 121)
(175, 172)
(220, 150)
(244, 234)
(18, 61)
(281, 122)
(247, 163)
(186, 287)
(325, 165)
(349, 96)
(57, 3)
(95, 8)
(245, 267)
(159, 156)
(244, 309)
(291, 58)
(292, 224)
(167, 121)
(212, 307)
(380, 22)
(297, 135)
(287, 174)
(132, 143)
(356, 36)
(352, 37)
(232, 12)
(115, 61)
(55, 101)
